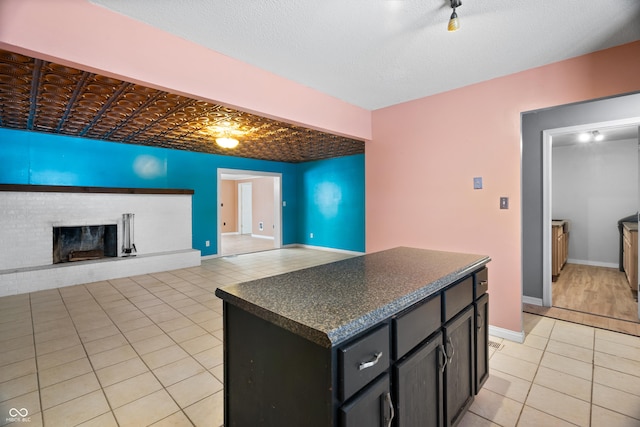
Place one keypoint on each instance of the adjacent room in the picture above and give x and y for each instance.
(352, 197)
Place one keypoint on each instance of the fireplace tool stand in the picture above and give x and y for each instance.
(128, 246)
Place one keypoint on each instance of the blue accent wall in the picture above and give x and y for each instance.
(332, 197)
(44, 159)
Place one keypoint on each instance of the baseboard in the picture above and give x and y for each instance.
(593, 263)
(323, 248)
(506, 334)
(259, 236)
(532, 300)
(230, 233)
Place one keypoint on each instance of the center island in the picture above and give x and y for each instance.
(392, 338)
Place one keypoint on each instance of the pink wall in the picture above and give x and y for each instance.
(83, 35)
(425, 153)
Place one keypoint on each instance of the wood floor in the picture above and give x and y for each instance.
(593, 296)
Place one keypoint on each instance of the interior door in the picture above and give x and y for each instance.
(246, 215)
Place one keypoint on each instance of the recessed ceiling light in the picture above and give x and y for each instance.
(584, 137)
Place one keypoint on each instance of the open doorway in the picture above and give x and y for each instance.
(249, 211)
(591, 281)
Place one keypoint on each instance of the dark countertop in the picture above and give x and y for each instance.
(330, 303)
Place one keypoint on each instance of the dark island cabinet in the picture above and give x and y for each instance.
(418, 366)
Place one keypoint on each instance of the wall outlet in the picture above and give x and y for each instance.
(311, 235)
(477, 183)
(284, 204)
(207, 243)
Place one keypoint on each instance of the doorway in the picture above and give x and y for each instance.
(587, 277)
(249, 211)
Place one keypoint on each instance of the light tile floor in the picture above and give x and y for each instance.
(147, 350)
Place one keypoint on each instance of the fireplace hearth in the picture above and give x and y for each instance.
(86, 242)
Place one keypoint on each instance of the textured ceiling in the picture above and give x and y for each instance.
(377, 53)
(41, 96)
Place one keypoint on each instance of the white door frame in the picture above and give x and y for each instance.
(277, 195)
(244, 188)
(547, 136)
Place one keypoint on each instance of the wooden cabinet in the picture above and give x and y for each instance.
(559, 246)
(630, 253)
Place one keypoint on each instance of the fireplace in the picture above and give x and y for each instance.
(85, 242)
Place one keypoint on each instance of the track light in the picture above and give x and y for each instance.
(454, 24)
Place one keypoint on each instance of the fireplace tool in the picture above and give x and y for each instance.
(128, 246)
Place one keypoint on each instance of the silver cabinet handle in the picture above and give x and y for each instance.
(443, 358)
(370, 363)
(483, 283)
(453, 350)
(480, 321)
(392, 412)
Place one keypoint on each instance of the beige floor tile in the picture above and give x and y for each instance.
(218, 372)
(560, 405)
(164, 356)
(616, 363)
(621, 350)
(165, 316)
(134, 388)
(98, 333)
(513, 366)
(535, 341)
(571, 333)
(78, 410)
(569, 350)
(521, 351)
(146, 410)
(152, 344)
(29, 401)
(121, 371)
(538, 325)
(200, 344)
(201, 317)
(126, 316)
(601, 417)
(633, 341)
(178, 371)
(616, 400)
(184, 334)
(208, 411)
(172, 325)
(211, 357)
(105, 420)
(68, 390)
(173, 420)
(130, 325)
(499, 409)
(64, 372)
(104, 344)
(567, 365)
(14, 343)
(113, 356)
(194, 388)
(61, 357)
(18, 386)
(619, 380)
(143, 333)
(564, 383)
(531, 417)
(504, 384)
(472, 420)
(17, 355)
(50, 346)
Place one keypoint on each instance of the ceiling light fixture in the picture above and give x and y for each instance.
(226, 142)
(584, 137)
(454, 24)
(597, 136)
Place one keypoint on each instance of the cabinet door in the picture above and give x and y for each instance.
(370, 408)
(418, 386)
(481, 306)
(459, 382)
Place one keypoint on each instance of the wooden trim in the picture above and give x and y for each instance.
(74, 189)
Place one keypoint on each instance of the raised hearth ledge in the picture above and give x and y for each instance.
(32, 279)
(74, 189)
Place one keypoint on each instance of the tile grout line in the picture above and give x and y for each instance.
(35, 358)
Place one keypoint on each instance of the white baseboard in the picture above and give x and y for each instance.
(532, 300)
(230, 233)
(507, 334)
(323, 248)
(259, 236)
(593, 263)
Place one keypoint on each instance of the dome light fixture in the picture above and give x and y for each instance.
(226, 142)
(597, 136)
(454, 24)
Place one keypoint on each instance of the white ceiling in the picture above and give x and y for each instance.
(376, 53)
(610, 134)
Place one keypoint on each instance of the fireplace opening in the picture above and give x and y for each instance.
(84, 243)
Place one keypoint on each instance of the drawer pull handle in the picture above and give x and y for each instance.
(392, 412)
(453, 350)
(443, 358)
(480, 321)
(370, 363)
(483, 283)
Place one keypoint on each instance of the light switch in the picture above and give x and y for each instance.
(477, 183)
(504, 203)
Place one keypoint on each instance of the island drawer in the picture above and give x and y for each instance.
(415, 325)
(457, 297)
(363, 360)
(482, 283)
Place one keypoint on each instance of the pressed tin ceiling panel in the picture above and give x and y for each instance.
(41, 96)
